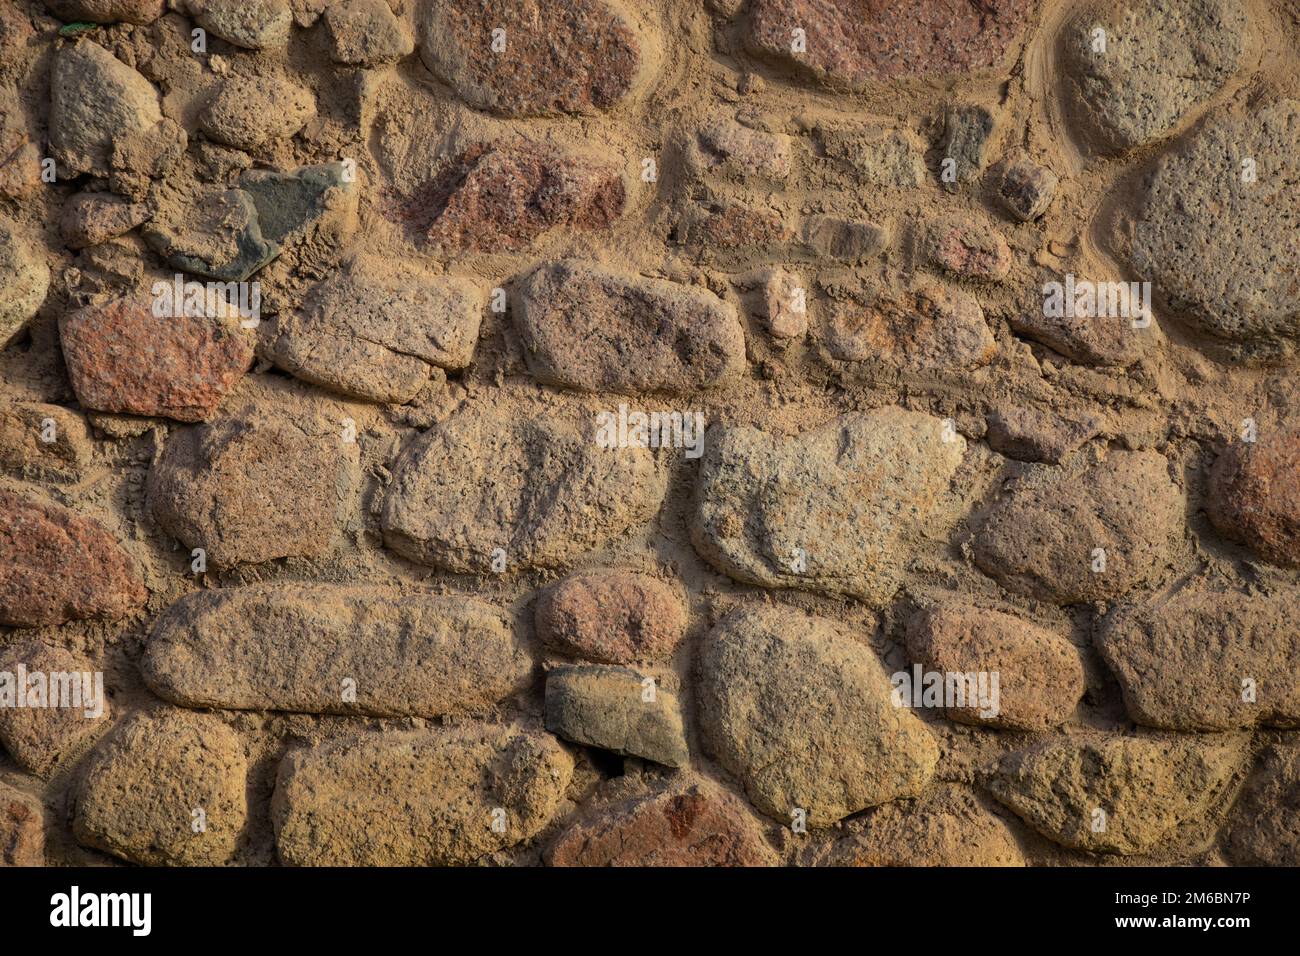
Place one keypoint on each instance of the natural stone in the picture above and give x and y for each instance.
(1027, 434)
(43, 442)
(22, 833)
(251, 24)
(107, 11)
(427, 798)
(1265, 829)
(249, 112)
(216, 233)
(1146, 787)
(1089, 321)
(879, 156)
(334, 649)
(1216, 246)
(504, 197)
(712, 227)
(860, 42)
(582, 324)
(577, 57)
(611, 708)
(1254, 494)
(1208, 657)
(1137, 80)
(836, 509)
(365, 33)
(1040, 675)
(801, 712)
(24, 280)
(784, 303)
(690, 822)
(62, 705)
(969, 249)
(536, 486)
(123, 358)
(724, 147)
(141, 787)
(966, 132)
(947, 826)
(95, 101)
(92, 218)
(56, 566)
(375, 331)
(256, 484)
(612, 617)
(1044, 538)
(930, 328)
(146, 155)
(317, 203)
(844, 240)
(1025, 188)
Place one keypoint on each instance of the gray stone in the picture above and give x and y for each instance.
(607, 707)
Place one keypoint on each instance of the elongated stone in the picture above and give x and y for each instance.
(333, 649)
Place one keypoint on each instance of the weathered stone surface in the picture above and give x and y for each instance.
(577, 57)
(24, 280)
(20, 172)
(1040, 675)
(596, 330)
(966, 132)
(1148, 76)
(724, 147)
(417, 799)
(784, 303)
(95, 100)
(22, 834)
(947, 826)
(1027, 434)
(969, 249)
(503, 197)
(376, 332)
(107, 11)
(365, 33)
(140, 158)
(607, 707)
(1025, 188)
(1208, 658)
(56, 566)
(62, 704)
(43, 442)
(691, 822)
(930, 328)
(141, 787)
(249, 112)
(216, 234)
(1254, 494)
(612, 617)
(535, 485)
(1089, 321)
(835, 509)
(1218, 248)
(251, 24)
(92, 218)
(844, 240)
(257, 484)
(860, 42)
(878, 155)
(729, 227)
(802, 713)
(1147, 787)
(1041, 540)
(316, 203)
(123, 358)
(302, 647)
(1265, 827)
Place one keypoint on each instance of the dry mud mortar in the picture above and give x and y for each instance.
(990, 313)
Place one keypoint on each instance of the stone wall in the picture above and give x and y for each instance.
(333, 332)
